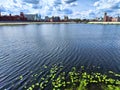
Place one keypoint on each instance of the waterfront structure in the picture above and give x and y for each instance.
(116, 19)
(11, 17)
(0, 13)
(55, 19)
(52, 19)
(107, 18)
(33, 17)
(99, 19)
(47, 19)
(110, 19)
(66, 18)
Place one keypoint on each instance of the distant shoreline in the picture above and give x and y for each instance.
(27, 23)
(105, 23)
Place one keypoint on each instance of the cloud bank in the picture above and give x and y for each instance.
(72, 8)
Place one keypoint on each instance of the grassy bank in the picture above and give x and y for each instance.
(117, 23)
(57, 79)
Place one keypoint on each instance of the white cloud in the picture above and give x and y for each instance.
(44, 7)
(61, 7)
(105, 4)
(85, 14)
(112, 7)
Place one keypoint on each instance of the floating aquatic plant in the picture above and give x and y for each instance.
(74, 80)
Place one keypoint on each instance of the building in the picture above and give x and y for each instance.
(33, 17)
(22, 16)
(13, 18)
(106, 18)
(55, 19)
(117, 19)
(0, 13)
(47, 19)
(110, 19)
(38, 17)
(114, 19)
(99, 19)
(66, 18)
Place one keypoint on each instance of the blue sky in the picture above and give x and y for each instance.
(72, 8)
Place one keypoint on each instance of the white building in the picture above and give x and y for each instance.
(33, 17)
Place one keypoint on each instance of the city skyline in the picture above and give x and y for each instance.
(71, 8)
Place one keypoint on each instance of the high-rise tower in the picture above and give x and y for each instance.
(105, 17)
(0, 12)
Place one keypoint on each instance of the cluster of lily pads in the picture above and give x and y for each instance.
(57, 79)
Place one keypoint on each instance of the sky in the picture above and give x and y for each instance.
(72, 8)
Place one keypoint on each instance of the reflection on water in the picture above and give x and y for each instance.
(26, 48)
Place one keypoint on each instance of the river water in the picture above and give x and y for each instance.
(26, 48)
